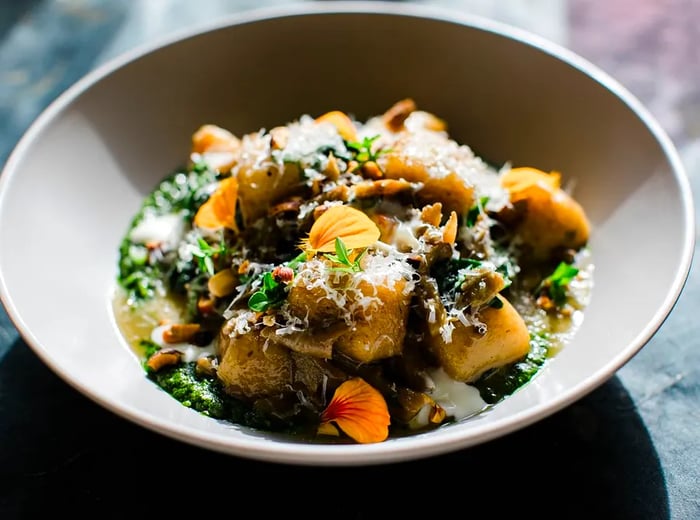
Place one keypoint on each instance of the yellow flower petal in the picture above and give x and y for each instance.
(344, 125)
(518, 179)
(220, 209)
(351, 225)
(359, 410)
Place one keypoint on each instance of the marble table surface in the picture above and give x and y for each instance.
(630, 449)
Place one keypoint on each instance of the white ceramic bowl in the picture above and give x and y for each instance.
(81, 171)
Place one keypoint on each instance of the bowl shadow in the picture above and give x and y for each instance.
(64, 453)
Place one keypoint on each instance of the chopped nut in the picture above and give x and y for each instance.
(545, 303)
(181, 332)
(397, 114)
(449, 230)
(206, 366)
(437, 414)
(432, 214)
(268, 320)
(279, 137)
(380, 188)
(340, 192)
(243, 268)
(387, 226)
(332, 171)
(283, 274)
(320, 210)
(163, 358)
(287, 206)
(205, 305)
(371, 170)
(222, 283)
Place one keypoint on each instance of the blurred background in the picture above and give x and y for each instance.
(638, 436)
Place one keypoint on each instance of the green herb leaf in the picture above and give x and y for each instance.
(259, 301)
(476, 210)
(362, 150)
(556, 284)
(342, 257)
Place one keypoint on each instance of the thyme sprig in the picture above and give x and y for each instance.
(363, 150)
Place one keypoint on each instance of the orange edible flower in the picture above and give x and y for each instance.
(220, 209)
(351, 225)
(212, 138)
(359, 410)
(344, 125)
(517, 180)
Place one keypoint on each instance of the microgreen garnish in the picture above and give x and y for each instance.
(272, 292)
(363, 149)
(205, 254)
(555, 284)
(342, 257)
(476, 210)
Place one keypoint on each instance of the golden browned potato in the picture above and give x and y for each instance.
(380, 333)
(470, 354)
(453, 191)
(320, 304)
(250, 368)
(548, 218)
(260, 187)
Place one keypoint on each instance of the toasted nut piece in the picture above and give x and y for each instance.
(397, 114)
(222, 283)
(432, 214)
(243, 268)
(206, 366)
(205, 305)
(344, 125)
(449, 230)
(164, 358)
(287, 206)
(279, 137)
(371, 170)
(340, 192)
(437, 414)
(319, 210)
(283, 274)
(387, 226)
(181, 332)
(332, 171)
(381, 188)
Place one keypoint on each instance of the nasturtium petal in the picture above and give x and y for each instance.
(359, 410)
(219, 211)
(519, 179)
(350, 225)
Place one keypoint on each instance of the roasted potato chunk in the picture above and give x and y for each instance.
(380, 332)
(470, 354)
(547, 218)
(249, 368)
(259, 188)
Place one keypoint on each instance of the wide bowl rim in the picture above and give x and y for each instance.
(403, 449)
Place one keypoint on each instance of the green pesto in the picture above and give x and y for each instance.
(498, 384)
(203, 394)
